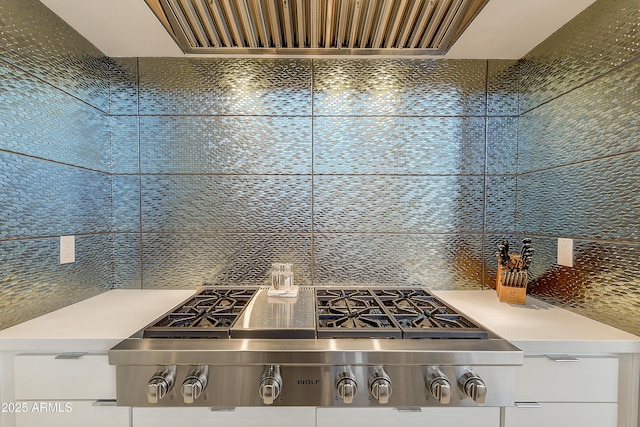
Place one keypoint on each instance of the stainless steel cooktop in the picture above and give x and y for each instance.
(329, 346)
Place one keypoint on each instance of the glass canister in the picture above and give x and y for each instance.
(282, 276)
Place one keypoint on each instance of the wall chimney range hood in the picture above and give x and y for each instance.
(316, 27)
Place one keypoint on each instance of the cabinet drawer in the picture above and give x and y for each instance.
(72, 414)
(385, 417)
(240, 417)
(541, 379)
(563, 415)
(39, 376)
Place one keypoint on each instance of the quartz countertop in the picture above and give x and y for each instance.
(95, 324)
(101, 322)
(539, 327)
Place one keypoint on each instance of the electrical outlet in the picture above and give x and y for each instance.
(67, 249)
(565, 252)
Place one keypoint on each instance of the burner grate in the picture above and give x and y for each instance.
(353, 313)
(208, 314)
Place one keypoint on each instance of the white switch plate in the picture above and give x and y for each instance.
(67, 249)
(565, 252)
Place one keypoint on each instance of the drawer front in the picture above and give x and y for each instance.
(240, 417)
(563, 415)
(386, 417)
(541, 379)
(39, 376)
(72, 414)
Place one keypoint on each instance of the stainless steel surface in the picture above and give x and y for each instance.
(273, 317)
(342, 27)
(267, 360)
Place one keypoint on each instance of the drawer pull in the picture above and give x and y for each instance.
(409, 409)
(71, 355)
(529, 405)
(561, 358)
(223, 409)
(104, 402)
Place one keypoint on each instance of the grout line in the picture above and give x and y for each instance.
(140, 241)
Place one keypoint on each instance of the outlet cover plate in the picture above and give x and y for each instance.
(67, 249)
(565, 252)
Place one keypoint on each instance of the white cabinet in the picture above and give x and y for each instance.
(239, 417)
(582, 392)
(66, 391)
(555, 414)
(77, 413)
(385, 417)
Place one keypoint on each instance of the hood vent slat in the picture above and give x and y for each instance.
(315, 27)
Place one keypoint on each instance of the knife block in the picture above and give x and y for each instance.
(510, 294)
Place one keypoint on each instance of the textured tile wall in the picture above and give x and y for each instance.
(578, 157)
(248, 162)
(54, 163)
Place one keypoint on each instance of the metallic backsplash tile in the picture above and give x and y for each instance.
(603, 283)
(391, 87)
(250, 145)
(42, 198)
(271, 87)
(126, 203)
(39, 42)
(502, 145)
(500, 207)
(127, 260)
(397, 204)
(123, 93)
(502, 87)
(184, 261)
(604, 36)
(32, 281)
(594, 200)
(599, 119)
(398, 145)
(444, 261)
(226, 203)
(39, 120)
(125, 132)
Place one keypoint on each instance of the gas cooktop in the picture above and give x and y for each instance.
(354, 312)
(329, 346)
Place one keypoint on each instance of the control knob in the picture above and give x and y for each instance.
(195, 383)
(438, 385)
(160, 383)
(473, 386)
(380, 385)
(346, 386)
(270, 384)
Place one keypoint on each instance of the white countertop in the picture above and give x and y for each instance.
(99, 323)
(95, 324)
(539, 327)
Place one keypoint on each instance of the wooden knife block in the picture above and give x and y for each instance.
(510, 294)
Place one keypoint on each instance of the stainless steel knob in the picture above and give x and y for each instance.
(195, 383)
(160, 384)
(473, 386)
(380, 385)
(270, 384)
(439, 386)
(346, 386)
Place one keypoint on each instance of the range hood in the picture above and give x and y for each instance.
(316, 27)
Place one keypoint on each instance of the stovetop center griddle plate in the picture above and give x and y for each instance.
(389, 313)
(209, 314)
